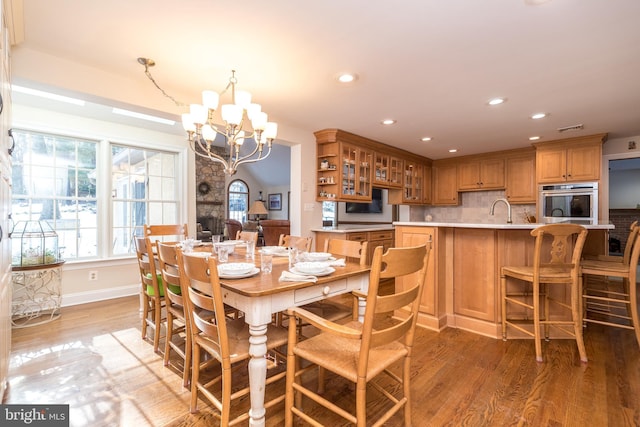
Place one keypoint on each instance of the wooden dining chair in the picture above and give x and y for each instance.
(221, 339)
(358, 352)
(152, 292)
(289, 241)
(247, 236)
(556, 261)
(166, 232)
(613, 303)
(178, 336)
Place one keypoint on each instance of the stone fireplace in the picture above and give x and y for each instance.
(210, 193)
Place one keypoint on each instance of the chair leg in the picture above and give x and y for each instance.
(536, 321)
(406, 374)
(361, 402)
(633, 299)
(157, 312)
(167, 341)
(576, 295)
(145, 314)
(195, 374)
(187, 359)
(292, 367)
(503, 296)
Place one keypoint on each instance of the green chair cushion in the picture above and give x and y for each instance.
(175, 289)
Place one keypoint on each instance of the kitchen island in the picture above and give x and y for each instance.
(463, 284)
(375, 234)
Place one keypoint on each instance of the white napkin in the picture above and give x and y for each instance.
(288, 276)
(337, 263)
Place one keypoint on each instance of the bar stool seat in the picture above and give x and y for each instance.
(554, 263)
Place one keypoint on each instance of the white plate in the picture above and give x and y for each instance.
(326, 272)
(317, 256)
(275, 250)
(253, 272)
(235, 268)
(199, 254)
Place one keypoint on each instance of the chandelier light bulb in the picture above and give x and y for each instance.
(252, 110)
(198, 114)
(210, 99)
(243, 98)
(187, 123)
(271, 130)
(208, 133)
(259, 121)
(232, 114)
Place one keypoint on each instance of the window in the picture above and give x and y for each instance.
(238, 201)
(55, 179)
(143, 191)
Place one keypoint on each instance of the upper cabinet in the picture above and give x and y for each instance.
(387, 170)
(521, 181)
(349, 166)
(445, 184)
(569, 160)
(481, 174)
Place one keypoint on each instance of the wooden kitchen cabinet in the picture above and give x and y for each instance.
(384, 238)
(521, 179)
(387, 171)
(482, 174)
(378, 238)
(475, 274)
(570, 160)
(348, 166)
(445, 185)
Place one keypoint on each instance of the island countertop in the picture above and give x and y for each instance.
(352, 228)
(493, 226)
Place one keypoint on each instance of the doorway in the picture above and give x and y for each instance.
(622, 174)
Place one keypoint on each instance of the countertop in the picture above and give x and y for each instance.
(351, 228)
(497, 226)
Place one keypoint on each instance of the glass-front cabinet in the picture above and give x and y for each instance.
(356, 172)
(387, 171)
(413, 182)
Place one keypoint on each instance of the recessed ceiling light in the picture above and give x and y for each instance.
(497, 101)
(425, 139)
(534, 138)
(453, 150)
(347, 77)
(388, 122)
(537, 116)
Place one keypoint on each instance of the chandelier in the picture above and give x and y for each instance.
(242, 120)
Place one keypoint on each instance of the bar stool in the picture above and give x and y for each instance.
(554, 263)
(602, 302)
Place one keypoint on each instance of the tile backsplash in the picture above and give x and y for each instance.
(474, 208)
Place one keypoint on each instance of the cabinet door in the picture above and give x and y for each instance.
(468, 176)
(414, 236)
(492, 174)
(583, 163)
(427, 186)
(381, 170)
(551, 165)
(396, 167)
(475, 275)
(445, 186)
(356, 173)
(521, 182)
(413, 183)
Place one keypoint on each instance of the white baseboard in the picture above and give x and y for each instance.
(100, 295)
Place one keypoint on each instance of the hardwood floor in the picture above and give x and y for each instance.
(93, 359)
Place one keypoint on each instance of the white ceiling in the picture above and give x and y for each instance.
(430, 64)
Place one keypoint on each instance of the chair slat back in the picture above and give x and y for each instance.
(289, 241)
(633, 232)
(165, 232)
(205, 301)
(170, 270)
(558, 246)
(147, 266)
(247, 236)
(351, 249)
(395, 262)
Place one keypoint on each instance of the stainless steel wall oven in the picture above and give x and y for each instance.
(576, 203)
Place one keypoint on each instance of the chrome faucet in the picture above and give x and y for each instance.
(506, 202)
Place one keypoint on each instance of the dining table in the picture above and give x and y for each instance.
(261, 294)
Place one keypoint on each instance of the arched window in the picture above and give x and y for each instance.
(238, 200)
